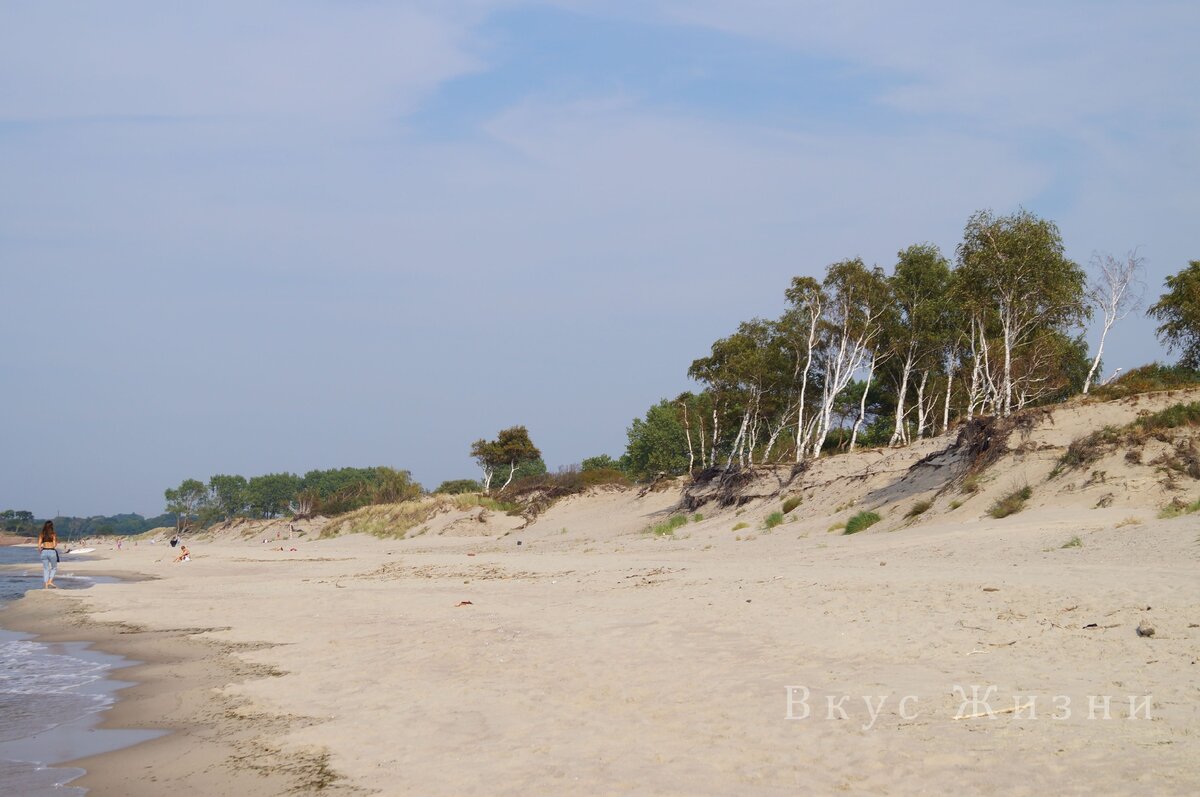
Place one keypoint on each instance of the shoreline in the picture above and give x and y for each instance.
(205, 746)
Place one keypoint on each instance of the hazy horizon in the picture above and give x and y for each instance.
(295, 236)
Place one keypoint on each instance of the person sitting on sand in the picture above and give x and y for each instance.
(48, 545)
(184, 554)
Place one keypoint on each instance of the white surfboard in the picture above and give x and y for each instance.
(81, 550)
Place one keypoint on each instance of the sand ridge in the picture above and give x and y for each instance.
(595, 658)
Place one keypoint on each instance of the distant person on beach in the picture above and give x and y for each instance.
(48, 545)
(184, 554)
(174, 540)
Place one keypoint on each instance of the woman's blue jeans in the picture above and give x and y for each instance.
(49, 565)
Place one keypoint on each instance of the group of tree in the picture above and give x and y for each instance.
(327, 492)
(24, 523)
(867, 357)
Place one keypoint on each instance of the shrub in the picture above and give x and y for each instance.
(601, 462)
(696, 518)
(1074, 542)
(971, 484)
(668, 526)
(459, 486)
(1087, 449)
(773, 520)
(955, 505)
(1148, 379)
(861, 521)
(1011, 504)
(741, 526)
(791, 503)
(1172, 417)
(1178, 508)
(919, 508)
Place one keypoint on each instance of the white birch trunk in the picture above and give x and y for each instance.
(899, 434)
(862, 403)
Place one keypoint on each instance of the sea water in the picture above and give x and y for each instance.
(50, 693)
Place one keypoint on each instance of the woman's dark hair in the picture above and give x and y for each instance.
(47, 531)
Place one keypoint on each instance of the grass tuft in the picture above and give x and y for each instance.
(861, 521)
(668, 526)
(741, 526)
(791, 503)
(919, 508)
(1074, 542)
(1178, 508)
(773, 520)
(1148, 379)
(1011, 504)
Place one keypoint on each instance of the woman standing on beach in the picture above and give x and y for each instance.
(48, 545)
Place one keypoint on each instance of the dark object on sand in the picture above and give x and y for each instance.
(1145, 629)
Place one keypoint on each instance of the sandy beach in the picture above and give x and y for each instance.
(581, 654)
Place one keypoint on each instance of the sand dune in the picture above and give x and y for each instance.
(595, 658)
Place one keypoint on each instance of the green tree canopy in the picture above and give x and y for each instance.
(1015, 278)
(186, 501)
(228, 495)
(272, 494)
(511, 449)
(1179, 311)
(657, 443)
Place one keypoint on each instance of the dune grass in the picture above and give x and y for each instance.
(1178, 509)
(1150, 378)
(861, 521)
(773, 520)
(791, 503)
(1011, 504)
(919, 508)
(387, 521)
(1074, 542)
(668, 526)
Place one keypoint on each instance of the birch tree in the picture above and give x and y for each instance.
(1014, 267)
(851, 321)
(1116, 291)
(511, 448)
(919, 285)
(801, 323)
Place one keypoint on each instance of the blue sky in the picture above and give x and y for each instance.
(282, 236)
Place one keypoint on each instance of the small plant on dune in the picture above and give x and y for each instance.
(919, 508)
(1173, 417)
(861, 521)
(741, 526)
(1011, 504)
(1087, 449)
(837, 527)
(668, 526)
(791, 503)
(696, 518)
(1129, 521)
(1074, 542)
(955, 504)
(1178, 508)
(773, 520)
(971, 484)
